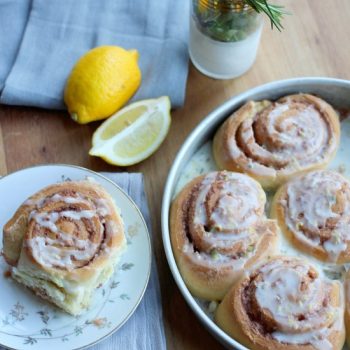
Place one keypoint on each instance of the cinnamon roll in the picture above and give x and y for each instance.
(284, 304)
(64, 241)
(218, 229)
(313, 212)
(273, 141)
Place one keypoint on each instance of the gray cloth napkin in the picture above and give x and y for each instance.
(34, 66)
(144, 329)
(13, 19)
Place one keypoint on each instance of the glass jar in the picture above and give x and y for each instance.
(224, 37)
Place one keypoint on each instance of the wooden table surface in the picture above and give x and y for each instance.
(315, 42)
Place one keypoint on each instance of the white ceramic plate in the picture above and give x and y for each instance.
(335, 91)
(26, 321)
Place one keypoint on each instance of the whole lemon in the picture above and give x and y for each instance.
(101, 82)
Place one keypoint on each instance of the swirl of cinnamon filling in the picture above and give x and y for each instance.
(285, 304)
(313, 211)
(218, 228)
(66, 226)
(273, 141)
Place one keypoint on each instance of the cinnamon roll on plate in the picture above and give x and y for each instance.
(218, 229)
(313, 212)
(274, 141)
(285, 304)
(64, 241)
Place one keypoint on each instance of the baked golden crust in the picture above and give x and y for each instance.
(284, 304)
(313, 212)
(218, 229)
(273, 141)
(64, 241)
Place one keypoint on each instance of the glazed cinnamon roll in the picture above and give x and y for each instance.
(313, 212)
(64, 241)
(285, 304)
(273, 141)
(218, 229)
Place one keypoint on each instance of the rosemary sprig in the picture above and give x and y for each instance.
(274, 12)
(234, 20)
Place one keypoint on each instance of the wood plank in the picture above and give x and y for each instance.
(3, 167)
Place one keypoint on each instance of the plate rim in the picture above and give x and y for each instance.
(144, 288)
(207, 122)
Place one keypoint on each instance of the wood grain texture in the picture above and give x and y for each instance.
(3, 168)
(315, 42)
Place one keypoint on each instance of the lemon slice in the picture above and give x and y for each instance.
(133, 133)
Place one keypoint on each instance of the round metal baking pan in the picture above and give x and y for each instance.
(335, 91)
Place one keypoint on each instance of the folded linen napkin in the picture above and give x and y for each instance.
(13, 19)
(144, 329)
(59, 32)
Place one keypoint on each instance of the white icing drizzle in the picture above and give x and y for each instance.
(78, 215)
(48, 219)
(297, 136)
(55, 198)
(67, 199)
(33, 202)
(310, 204)
(317, 340)
(66, 249)
(295, 131)
(239, 207)
(102, 207)
(47, 254)
(282, 291)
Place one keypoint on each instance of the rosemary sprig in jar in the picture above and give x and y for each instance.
(234, 20)
(274, 12)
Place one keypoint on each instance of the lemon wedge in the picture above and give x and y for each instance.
(133, 133)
